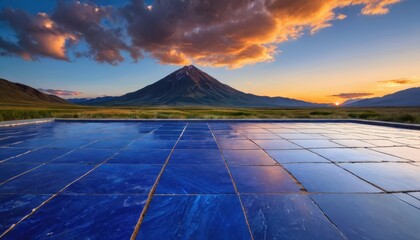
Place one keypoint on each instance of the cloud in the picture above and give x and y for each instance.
(59, 92)
(399, 82)
(217, 33)
(37, 35)
(352, 95)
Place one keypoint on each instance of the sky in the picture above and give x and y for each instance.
(323, 51)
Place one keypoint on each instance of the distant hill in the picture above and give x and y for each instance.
(189, 86)
(11, 92)
(405, 98)
(82, 100)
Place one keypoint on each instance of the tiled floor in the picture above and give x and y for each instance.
(209, 180)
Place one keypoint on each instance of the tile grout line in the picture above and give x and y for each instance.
(55, 194)
(328, 218)
(152, 191)
(36, 167)
(234, 184)
(308, 193)
(65, 187)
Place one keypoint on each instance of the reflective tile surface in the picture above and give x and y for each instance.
(209, 180)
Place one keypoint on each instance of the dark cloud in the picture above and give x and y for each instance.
(208, 32)
(352, 95)
(59, 92)
(36, 35)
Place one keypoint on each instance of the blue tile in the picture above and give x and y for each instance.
(36, 142)
(90, 156)
(46, 179)
(287, 216)
(117, 179)
(328, 178)
(263, 179)
(186, 144)
(387, 175)
(141, 156)
(196, 156)
(109, 144)
(319, 143)
(189, 179)
(295, 156)
(10, 170)
(194, 217)
(42, 155)
(154, 137)
(276, 144)
(247, 157)
(237, 144)
(82, 217)
(371, 216)
(152, 144)
(14, 207)
(197, 137)
(355, 155)
(71, 143)
(6, 153)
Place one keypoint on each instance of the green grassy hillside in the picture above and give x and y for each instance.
(19, 111)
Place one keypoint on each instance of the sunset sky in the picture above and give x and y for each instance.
(314, 50)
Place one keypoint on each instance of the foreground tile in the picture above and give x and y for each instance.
(194, 217)
(196, 144)
(109, 144)
(402, 152)
(388, 176)
(263, 179)
(117, 179)
(247, 157)
(415, 194)
(6, 153)
(237, 144)
(42, 155)
(10, 170)
(371, 216)
(83, 156)
(14, 207)
(295, 156)
(408, 199)
(328, 178)
(316, 143)
(287, 216)
(141, 156)
(276, 144)
(353, 143)
(196, 156)
(82, 217)
(354, 155)
(190, 179)
(47, 179)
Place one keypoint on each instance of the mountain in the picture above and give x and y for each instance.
(189, 86)
(405, 98)
(348, 101)
(11, 92)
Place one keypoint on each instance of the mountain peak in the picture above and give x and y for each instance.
(188, 69)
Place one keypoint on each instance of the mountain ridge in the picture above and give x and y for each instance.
(189, 86)
(11, 92)
(405, 98)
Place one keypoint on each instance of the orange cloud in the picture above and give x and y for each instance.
(59, 92)
(217, 33)
(351, 95)
(399, 82)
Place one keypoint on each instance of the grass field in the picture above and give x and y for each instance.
(24, 111)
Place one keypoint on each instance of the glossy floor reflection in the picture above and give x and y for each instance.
(209, 180)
